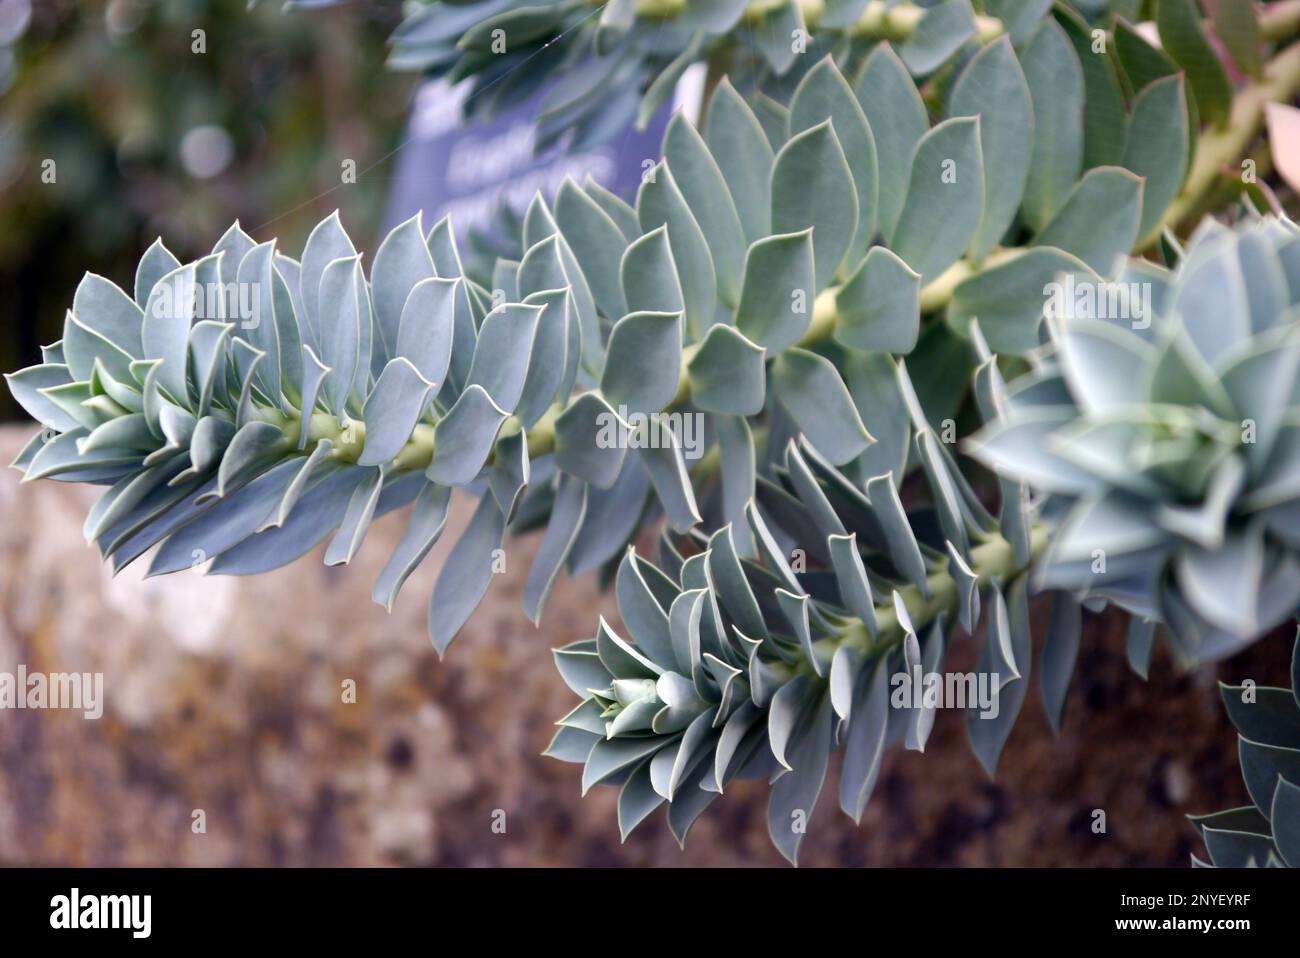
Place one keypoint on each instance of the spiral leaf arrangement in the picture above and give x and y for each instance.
(744, 667)
(245, 407)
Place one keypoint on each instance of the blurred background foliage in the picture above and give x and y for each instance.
(149, 137)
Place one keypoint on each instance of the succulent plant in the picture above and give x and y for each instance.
(760, 667)
(775, 264)
(1265, 833)
(634, 52)
(1168, 437)
(739, 666)
(243, 408)
(1122, 431)
(308, 379)
(618, 62)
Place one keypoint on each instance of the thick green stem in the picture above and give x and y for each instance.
(878, 21)
(937, 293)
(992, 559)
(934, 295)
(348, 438)
(659, 9)
(883, 22)
(824, 319)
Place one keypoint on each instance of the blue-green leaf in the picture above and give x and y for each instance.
(1099, 221)
(822, 94)
(463, 438)
(737, 142)
(705, 188)
(945, 198)
(643, 361)
(879, 308)
(812, 186)
(392, 409)
(993, 88)
(402, 262)
(1158, 149)
(778, 290)
(1055, 81)
(649, 275)
(466, 574)
(727, 373)
(810, 388)
(660, 203)
(898, 119)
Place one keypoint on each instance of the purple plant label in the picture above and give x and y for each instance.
(469, 168)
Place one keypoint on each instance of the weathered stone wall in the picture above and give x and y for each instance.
(224, 695)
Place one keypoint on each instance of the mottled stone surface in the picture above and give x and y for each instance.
(224, 695)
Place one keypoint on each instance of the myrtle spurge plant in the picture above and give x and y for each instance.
(863, 239)
(1169, 437)
(634, 51)
(738, 666)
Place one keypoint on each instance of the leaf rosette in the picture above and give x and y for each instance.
(1162, 423)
